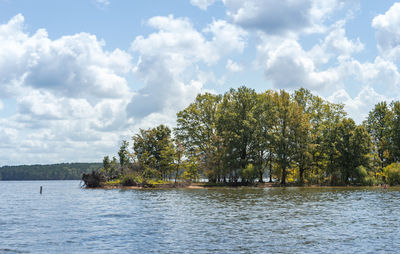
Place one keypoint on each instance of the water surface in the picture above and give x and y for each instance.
(66, 218)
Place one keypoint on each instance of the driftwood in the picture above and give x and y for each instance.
(92, 180)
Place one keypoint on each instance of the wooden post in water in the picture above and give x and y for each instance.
(41, 188)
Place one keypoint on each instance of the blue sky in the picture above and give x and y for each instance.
(77, 77)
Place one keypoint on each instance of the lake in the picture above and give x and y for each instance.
(68, 219)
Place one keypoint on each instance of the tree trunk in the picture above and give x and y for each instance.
(301, 171)
(270, 167)
(270, 174)
(283, 181)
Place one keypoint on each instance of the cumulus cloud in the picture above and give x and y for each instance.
(281, 17)
(359, 106)
(388, 34)
(325, 66)
(70, 66)
(226, 38)
(70, 95)
(168, 58)
(337, 42)
(286, 64)
(202, 4)
(233, 66)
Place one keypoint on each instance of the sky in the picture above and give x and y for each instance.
(79, 76)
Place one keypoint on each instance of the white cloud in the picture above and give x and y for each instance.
(70, 66)
(1, 105)
(287, 65)
(358, 107)
(102, 3)
(281, 17)
(226, 38)
(168, 58)
(337, 42)
(324, 67)
(70, 96)
(202, 4)
(233, 66)
(105, 2)
(388, 34)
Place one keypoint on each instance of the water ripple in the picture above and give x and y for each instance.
(225, 220)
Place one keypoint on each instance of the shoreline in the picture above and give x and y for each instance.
(216, 186)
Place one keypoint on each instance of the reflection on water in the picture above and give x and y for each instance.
(66, 218)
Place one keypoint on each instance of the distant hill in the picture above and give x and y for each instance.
(62, 171)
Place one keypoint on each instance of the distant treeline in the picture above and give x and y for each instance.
(62, 171)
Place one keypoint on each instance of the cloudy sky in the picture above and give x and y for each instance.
(79, 76)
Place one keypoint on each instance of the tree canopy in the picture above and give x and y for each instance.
(243, 135)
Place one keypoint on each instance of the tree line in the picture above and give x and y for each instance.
(243, 137)
(62, 171)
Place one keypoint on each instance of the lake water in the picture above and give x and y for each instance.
(68, 219)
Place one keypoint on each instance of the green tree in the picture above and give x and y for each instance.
(148, 146)
(378, 125)
(263, 146)
(333, 114)
(196, 130)
(344, 163)
(106, 162)
(289, 124)
(236, 124)
(395, 132)
(353, 146)
(304, 137)
(123, 154)
(171, 159)
(191, 166)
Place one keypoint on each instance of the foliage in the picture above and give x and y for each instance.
(242, 136)
(392, 173)
(148, 146)
(360, 176)
(151, 173)
(123, 154)
(191, 172)
(111, 169)
(248, 174)
(378, 125)
(131, 180)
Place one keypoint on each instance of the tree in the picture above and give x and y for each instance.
(395, 132)
(106, 162)
(149, 145)
(344, 148)
(123, 154)
(302, 130)
(353, 146)
(263, 147)
(289, 123)
(236, 124)
(196, 130)
(361, 146)
(332, 115)
(171, 159)
(378, 126)
(191, 166)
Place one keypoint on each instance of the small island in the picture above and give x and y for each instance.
(245, 138)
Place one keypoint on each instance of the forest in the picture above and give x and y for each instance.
(62, 171)
(243, 137)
